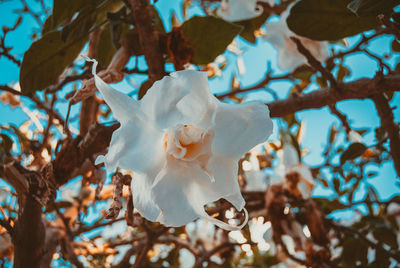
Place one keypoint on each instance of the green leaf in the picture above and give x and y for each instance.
(381, 260)
(328, 206)
(343, 72)
(366, 8)
(5, 148)
(48, 25)
(250, 26)
(396, 17)
(355, 150)
(209, 37)
(105, 49)
(46, 59)
(396, 45)
(386, 235)
(88, 16)
(327, 20)
(81, 25)
(355, 250)
(64, 9)
(304, 73)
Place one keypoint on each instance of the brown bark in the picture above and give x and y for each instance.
(29, 236)
(142, 14)
(360, 89)
(74, 152)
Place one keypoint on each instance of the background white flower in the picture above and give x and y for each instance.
(183, 145)
(288, 56)
(237, 10)
(295, 176)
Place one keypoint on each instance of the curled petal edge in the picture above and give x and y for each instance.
(224, 225)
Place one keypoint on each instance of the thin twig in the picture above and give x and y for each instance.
(314, 62)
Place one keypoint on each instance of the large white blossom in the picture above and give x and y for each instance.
(183, 145)
(237, 10)
(288, 56)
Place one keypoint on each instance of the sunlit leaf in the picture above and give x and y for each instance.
(353, 151)
(327, 20)
(46, 59)
(209, 37)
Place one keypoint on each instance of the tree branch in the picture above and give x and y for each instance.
(142, 14)
(392, 129)
(360, 89)
(314, 62)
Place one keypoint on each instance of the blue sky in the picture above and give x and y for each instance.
(361, 113)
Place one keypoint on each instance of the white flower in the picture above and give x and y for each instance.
(183, 145)
(295, 176)
(256, 179)
(237, 10)
(354, 136)
(288, 55)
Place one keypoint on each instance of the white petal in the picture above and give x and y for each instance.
(288, 56)
(276, 178)
(270, 2)
(224, 225)
(354, 136)
(184, 189)
(181, 98)
(240, 127)
(225, 172)
(290, 155)
(123, 107)
(135, 146)
(143, 200)
(171, 193)
(256, 180)
(236, 10)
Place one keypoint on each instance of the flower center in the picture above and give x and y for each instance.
(188, 143)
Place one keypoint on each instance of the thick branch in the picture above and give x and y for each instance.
(360, 89)
(75, 151)
(29, 236)
(142, 14)
(392, 129)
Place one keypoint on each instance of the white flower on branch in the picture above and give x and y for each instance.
(183, 145)
(295, 176)
(237, 10)
(288, 56)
